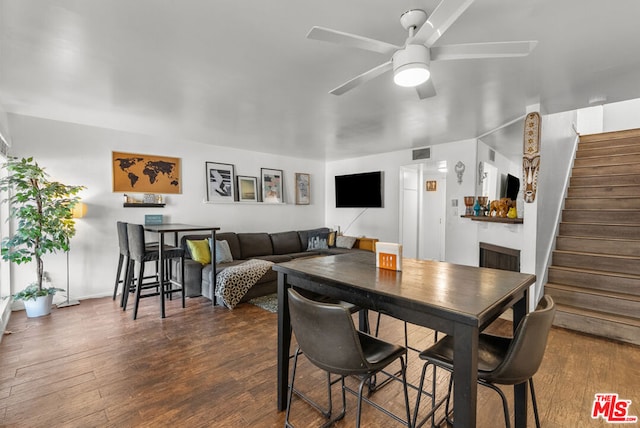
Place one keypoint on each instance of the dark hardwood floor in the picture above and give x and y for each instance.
(92, 365)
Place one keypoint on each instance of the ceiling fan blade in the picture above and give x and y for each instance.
(426, 90)
(364, 77)
(352, 40)
(442, 17)
(483, 50)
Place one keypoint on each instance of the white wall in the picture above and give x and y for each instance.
(81, 155)
(382, 223)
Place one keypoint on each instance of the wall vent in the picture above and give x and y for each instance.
(422, 153)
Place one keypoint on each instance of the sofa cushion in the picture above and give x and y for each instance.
(199, 250)
(279, 258)
(230, 237)
(285, 242)
(223, 252)
(304, 236)
(254, 244)
(233, 241)
(317, 241)
(345, 242)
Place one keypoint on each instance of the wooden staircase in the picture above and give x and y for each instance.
(595, 274)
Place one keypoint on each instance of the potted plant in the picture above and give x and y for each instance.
(43, 211)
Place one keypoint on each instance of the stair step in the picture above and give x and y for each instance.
(595, 230)
(582, 152)
(605, 180)
(585, 298)
(618, 247)
(612, 159)
(597, 280)
(628, 136)
(594, 261)
(629, 190)
(606, 203)
(624, 329)
(601, 216)
(630, 168)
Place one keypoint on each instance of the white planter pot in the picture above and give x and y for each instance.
(39, 307)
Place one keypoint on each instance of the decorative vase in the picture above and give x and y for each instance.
(468, 203)
(39, 307)
(512, 213)
(476, 209)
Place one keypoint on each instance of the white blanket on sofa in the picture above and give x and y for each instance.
(233, 282)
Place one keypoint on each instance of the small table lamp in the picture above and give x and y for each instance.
(79, 211)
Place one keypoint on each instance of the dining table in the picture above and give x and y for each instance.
(454, 299)
(161, 230)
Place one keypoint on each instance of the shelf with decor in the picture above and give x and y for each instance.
(494, 219)
(142, 205)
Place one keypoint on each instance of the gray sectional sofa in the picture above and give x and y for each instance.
(275, 247)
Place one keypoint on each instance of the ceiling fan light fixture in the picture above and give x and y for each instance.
(410, 66)
(411, 75)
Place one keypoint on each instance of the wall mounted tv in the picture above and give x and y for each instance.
(364, 190)
(510, 187)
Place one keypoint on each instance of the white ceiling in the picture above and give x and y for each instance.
(243, 73)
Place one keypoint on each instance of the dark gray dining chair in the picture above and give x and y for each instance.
(139, 252)
(501, 360)
(327, 336)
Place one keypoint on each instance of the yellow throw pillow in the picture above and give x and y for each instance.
(200, 251)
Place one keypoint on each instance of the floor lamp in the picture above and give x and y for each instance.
(79, 210)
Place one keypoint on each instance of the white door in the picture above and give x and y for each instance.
(409, 210)
(422, 212)
(433, 218)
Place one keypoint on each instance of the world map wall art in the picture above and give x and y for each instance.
(145, 173)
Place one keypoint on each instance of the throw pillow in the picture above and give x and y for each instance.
(317, 241)
(200, 251)
(345, 242)
(223, 252)
(331, 239)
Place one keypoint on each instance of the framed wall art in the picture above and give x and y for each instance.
(134, 172)
(220, 182)
(303, 189)
(271, 181)
(247, 189)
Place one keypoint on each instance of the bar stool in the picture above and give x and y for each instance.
(124, 262)
(139, 252)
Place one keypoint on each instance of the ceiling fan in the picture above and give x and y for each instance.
(410, 63)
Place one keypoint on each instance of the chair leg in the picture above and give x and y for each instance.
(138, 290)
(535, 404)
(119, 272)
(420, 389)
(327, 413)
(182, 281)
(129, 280)
(446, 407)
(505, 406)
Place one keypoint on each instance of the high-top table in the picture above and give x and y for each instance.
(175, 228)
(457, 300)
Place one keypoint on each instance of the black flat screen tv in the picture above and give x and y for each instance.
(362, 190)
(512, 187)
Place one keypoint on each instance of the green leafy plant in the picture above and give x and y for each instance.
(43, 210)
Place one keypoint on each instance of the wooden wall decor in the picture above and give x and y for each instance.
(145, 173)
(531, 156)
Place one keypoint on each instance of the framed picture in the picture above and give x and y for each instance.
(247, 189)
(303, 189)
(220, 182)
(271, 180)
(134, 172)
